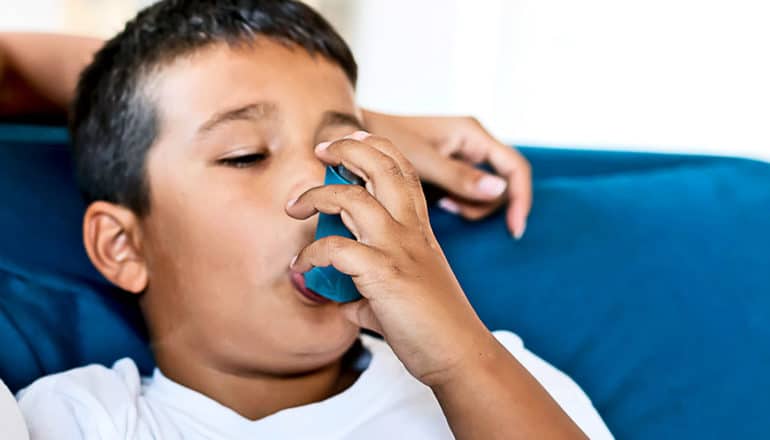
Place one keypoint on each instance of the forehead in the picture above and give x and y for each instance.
(193, 87)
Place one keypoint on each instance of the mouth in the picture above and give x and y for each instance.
(298, 281)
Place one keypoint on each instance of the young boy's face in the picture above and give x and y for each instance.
(217, 240)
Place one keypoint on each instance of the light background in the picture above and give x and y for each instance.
(658, 75)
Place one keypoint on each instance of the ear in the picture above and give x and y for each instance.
(113, 241)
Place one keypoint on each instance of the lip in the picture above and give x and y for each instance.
(298, 281)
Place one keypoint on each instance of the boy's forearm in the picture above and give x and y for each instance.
(495, 397)
(48, 65)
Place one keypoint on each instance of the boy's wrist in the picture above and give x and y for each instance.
(482, 354)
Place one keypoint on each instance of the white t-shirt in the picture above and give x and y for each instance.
(385, 402)
(11, 423)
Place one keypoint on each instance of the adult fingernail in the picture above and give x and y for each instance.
(291, 203)
(322, 146)
(449, 206)
(491, 186)
(520, 230)
(293, 260)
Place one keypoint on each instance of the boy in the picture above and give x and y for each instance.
(194, 133)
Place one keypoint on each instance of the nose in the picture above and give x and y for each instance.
(308, 172)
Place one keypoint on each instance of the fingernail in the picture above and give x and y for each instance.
(520, 231)
(359, 135)
(491, 186)
(449, 206)
(293, 260)
(322, 146)
(291, 203)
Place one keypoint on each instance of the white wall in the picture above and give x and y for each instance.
(674, 75)
(100, 18)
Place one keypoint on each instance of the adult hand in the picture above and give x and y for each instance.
(445, 150)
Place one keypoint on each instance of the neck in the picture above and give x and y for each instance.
(255, 396)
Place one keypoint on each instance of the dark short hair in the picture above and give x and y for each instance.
(114, 122)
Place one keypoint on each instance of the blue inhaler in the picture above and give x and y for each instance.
(328, 281)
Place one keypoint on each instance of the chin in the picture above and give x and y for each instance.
(335, 336)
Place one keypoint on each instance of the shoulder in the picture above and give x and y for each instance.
(84, 402)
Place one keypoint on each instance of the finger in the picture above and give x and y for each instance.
(383, 174)
(362, 214)
(348, 256)
(521, 194)
(510, 163)
(361, 314)
(469, 211)
(464, 180)
(386, 146)
(410, 174)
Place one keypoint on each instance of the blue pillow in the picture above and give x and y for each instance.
(642, 276)
(648, 287)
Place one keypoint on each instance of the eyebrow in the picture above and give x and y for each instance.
(340, 118)
(249, 112)
(264, 110)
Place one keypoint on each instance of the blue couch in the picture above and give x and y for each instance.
(645, 277)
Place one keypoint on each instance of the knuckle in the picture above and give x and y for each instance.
(475, 215)
(433, 244)
(341, 146)
(408, 167)
(345, 142)
(412, 178)
(334, 243)
(410, 174)
(356, 191)
(470, 178)
(382, 141)
(357, 194)
(472, 121)
(525, 165)
(393, 169)
(384, 274)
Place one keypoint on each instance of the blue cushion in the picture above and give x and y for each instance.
(650, 288)
(643, 276)
(56, 311)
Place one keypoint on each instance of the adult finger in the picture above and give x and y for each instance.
(510, 163)
(463, 180)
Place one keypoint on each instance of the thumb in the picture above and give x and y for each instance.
(361, 314)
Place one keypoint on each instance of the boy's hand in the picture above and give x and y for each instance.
(411, 296)
(444, 151)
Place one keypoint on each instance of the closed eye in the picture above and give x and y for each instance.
(244, 161)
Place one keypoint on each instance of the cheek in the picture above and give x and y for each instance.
(224, 238)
